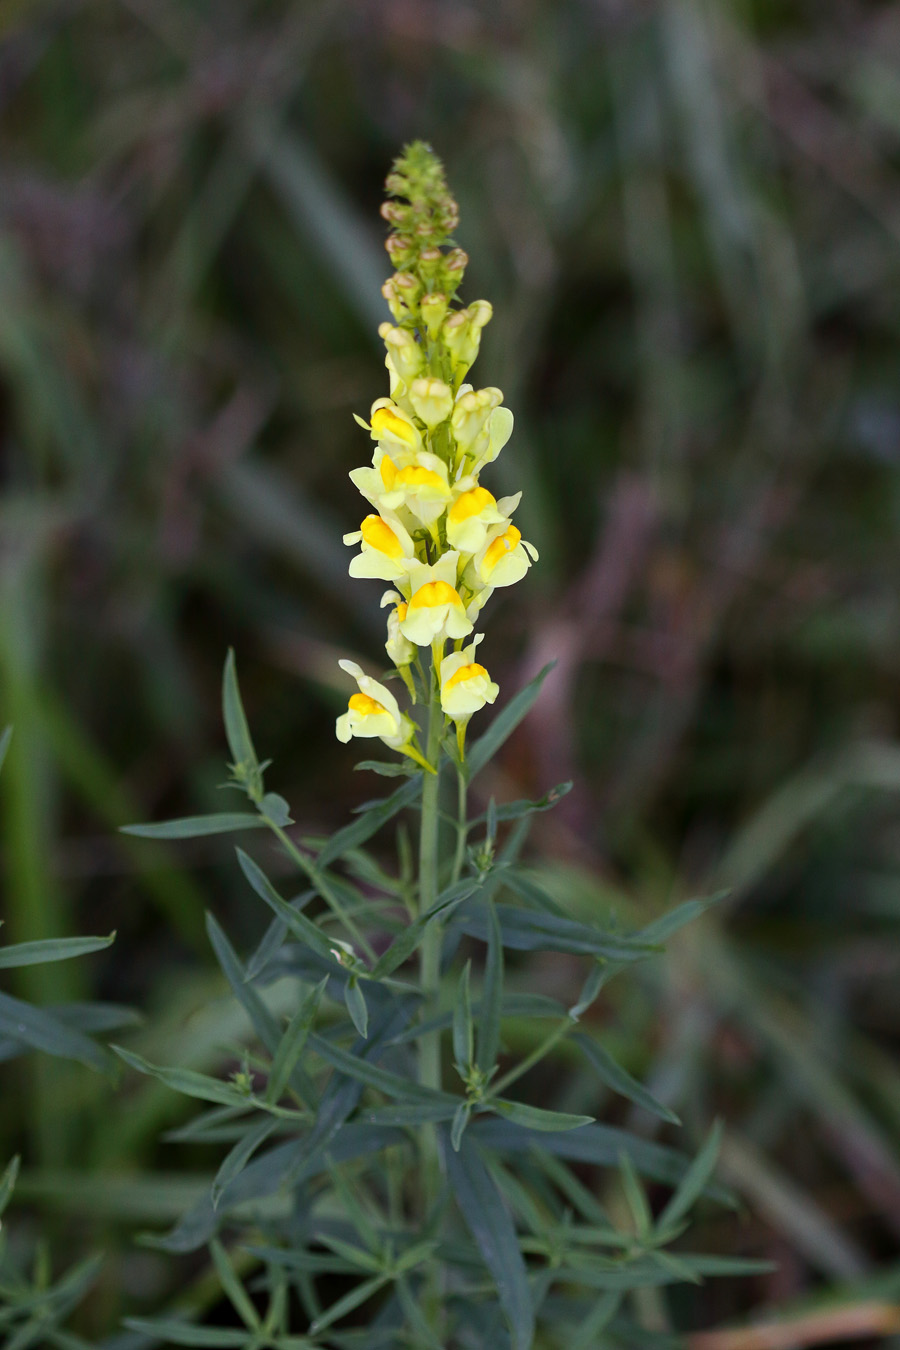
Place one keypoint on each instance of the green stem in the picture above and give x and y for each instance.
(430, 953)
(321, 884)
(459, 856)
(535, 1057)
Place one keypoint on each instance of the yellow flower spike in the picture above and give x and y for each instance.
(435, 609)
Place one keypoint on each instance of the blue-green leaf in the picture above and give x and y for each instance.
(194, 827)
(5, 738)
(490, 1224)
(40, 1030)
(536, 1118)
(492, 997)
(505, 723)
(615, 1077)
(237, 731)
(694, 1182)
(370, 821)
(186, 1081)
(299, 925)
(355, 1000)
(292, 1042)
(51, 949)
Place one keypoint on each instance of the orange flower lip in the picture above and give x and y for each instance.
(434, 593)
(362, 703)
(470, 504)
(505, 544)
(379, 535)
(385, 419)
(470, 672)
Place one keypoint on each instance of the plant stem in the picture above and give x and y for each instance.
(430, 954)
(461, 830)
(320, 881)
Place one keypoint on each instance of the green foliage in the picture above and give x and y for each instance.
(329, 1122)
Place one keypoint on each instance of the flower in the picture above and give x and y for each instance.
(465, 685)
(386, 549)
(504, 558)
(373, 711)
(472, 514)
(443, 540)
(435, 610)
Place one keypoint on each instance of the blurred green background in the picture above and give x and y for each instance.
(686, 214)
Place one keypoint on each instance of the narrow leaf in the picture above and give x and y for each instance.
(505, 723)
(232, 1286)
(186, 1081)
(8, 1180)
(663, 928)
(408, 940)
(367, 824)
(237, 1158)
(292, 1042)
(170, 1331)
(194, 827)
(237, 731)
(463, 1028)
(491, 1003)
(345, 1305)
(458, 1128)
(51, 949)
(615, 1077)
(40, 1030)
(5, 738)
(355, 1000)
(694, 1182)
(492, 1228)
(304, 929)
(536, 1118)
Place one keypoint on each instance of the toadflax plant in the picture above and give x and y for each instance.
(381, 1178)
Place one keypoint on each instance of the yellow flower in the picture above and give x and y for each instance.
(435, 610)
(472, 514)
(471, 415)
(386, 549)
(504, 558)
(465, 685)
(373, 711)
(390, 425)
(399, 649)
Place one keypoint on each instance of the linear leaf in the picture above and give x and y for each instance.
(8, 1181)
(51, 949)
(536, 1118)
(352, 1300)
(408, 940)
(302, 928)
(370, 821)
(292, 1042)
(237, 731)
(40, 1030)
(186, 1081)
(391, 1084)
(515, 810)
(232, 1286)
(194, 827)
(505, 723)
(355, 1000)
(694, 1182)
(664, 927)
(615, 1077)
(491, 1226)
(237, 1158)
(5, 738)
(169, 1330)
(492, 997)
(525, 930)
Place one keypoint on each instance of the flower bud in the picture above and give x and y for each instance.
(471, 414)
(432, 401)
(405, 353)
(434, 308)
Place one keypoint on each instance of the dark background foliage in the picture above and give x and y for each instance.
(687, 217)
